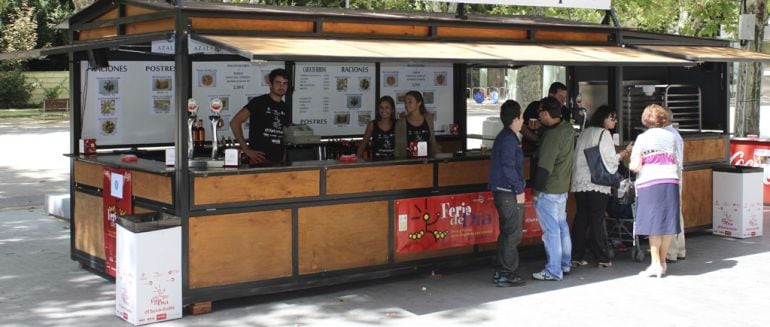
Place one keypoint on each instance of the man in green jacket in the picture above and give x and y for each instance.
(550, 186)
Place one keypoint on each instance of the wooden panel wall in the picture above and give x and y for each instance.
(237, 248)
(97, 33)
(375, 29)
(87, 173)
(342, 236)
(239, 24)
(705, 150)
(112, 14)
(381, 178)
(571, 36)
(166, 24)
(481, 33)
(136, 11)
(255, 187)
(697, 199)
(151, 186)
(89, 224)
(463, 172)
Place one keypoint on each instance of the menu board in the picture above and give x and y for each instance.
(233, 82)
(128, 102)
(434, 81)
(334, 98)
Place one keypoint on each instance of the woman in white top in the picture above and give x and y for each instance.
(591, 199)
(655, 159)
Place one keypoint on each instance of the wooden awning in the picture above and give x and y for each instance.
(310, 49)
(706, 53)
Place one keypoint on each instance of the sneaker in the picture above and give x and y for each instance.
(496, 277)
(511, 281)
(579, 263)
(543, 275)
(566, 270)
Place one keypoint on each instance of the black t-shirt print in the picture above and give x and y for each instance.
(266, 121)
(382, 143)
(419, 133)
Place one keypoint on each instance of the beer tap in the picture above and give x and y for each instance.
(216, 120)
(192, 109)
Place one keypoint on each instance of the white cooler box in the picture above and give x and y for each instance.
(148, 282)
(737, 196)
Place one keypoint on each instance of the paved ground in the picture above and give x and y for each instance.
(722, 283)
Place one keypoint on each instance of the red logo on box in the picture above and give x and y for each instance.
(161, 316)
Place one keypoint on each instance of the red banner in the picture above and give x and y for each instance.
(116, 202)
(753, 153)
(446, 221)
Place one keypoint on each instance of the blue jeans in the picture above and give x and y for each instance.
(552, 215)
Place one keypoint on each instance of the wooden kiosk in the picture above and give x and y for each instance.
(249, 231)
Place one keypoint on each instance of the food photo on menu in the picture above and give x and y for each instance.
(161, 105)
(108, 86)
(391, 79)
(161, 84)
(364, 84)
(364, 118)
(427, 97)
(107, 107)
(342, 83)
(354, 101)
(108, 126)
(342, 118)
(207, 78)
(440, 79)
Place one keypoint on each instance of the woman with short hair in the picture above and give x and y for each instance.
(655, 160)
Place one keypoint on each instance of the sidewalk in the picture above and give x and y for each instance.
(723, 282)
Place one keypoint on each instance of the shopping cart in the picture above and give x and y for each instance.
(620, 224)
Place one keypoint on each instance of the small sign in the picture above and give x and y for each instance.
(170, 156)
(116, 185)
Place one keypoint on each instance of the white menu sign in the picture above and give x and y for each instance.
(128, 102)
(434, 81)
(233, 82)
(334, 98)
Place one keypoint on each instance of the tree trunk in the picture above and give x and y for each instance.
(529, 84)
(750, 77)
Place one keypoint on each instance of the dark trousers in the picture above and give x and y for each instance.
(591, 207)
(511, 216)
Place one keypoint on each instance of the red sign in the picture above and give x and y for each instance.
(439, 222)
(753, 153)
(116, 202)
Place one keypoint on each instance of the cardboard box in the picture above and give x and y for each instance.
(737, 206)
(148, 282)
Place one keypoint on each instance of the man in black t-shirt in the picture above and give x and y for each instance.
(557, 90)
(267, 117)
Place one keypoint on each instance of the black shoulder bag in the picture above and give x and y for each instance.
(599, 173)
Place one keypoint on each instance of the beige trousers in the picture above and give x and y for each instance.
(676, 249)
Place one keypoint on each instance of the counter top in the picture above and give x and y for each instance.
(158, 167)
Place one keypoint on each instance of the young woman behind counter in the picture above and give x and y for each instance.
(416, 126)
(380, 131)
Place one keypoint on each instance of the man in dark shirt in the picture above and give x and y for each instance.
(557, 90)
(506, 181)
(267, 117)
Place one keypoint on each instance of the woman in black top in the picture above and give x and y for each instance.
(380, 131)
(417, 125)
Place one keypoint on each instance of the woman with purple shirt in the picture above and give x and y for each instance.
(655, 159)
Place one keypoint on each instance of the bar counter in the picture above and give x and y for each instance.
(272, 229)
(259, 230)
